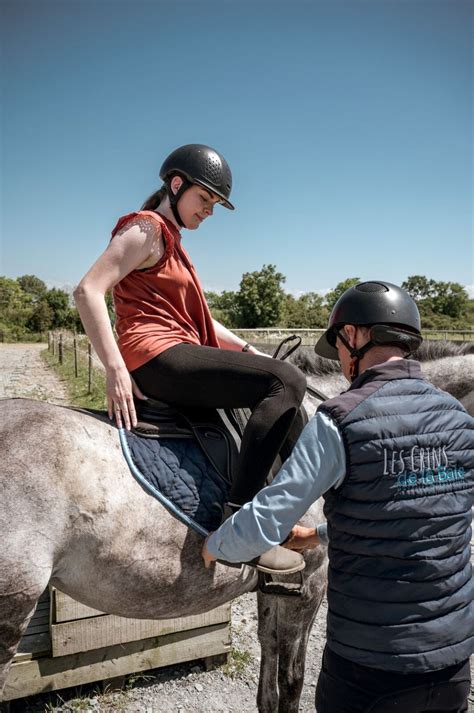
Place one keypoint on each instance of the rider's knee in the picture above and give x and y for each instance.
(295, 383)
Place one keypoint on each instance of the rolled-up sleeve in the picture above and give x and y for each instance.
(316, 464)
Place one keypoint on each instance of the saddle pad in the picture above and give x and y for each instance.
(178, 473)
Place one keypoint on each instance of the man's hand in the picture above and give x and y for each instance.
(302, 538)
(206, 555)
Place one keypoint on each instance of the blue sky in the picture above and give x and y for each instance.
(347, 125)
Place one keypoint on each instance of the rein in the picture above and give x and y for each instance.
(310, 389)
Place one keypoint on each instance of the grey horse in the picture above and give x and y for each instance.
(71, 514)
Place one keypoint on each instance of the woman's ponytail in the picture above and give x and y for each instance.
(153, 201)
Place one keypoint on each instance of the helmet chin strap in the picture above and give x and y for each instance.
(174, 197)
(356, 355)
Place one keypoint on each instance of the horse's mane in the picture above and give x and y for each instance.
(439, 349)
(314, 365)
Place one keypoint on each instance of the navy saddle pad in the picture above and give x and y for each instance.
(185, 459)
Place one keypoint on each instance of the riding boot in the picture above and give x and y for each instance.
(277, 560)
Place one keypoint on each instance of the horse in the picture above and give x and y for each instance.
(72, 515)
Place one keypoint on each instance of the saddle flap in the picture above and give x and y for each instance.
(157, 419)
(154, 411)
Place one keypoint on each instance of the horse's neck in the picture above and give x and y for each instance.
(450, 373)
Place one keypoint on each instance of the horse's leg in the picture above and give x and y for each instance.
(284, 627)
(267, 696)
(20, 590)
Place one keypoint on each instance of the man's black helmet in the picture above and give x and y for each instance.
(389, 310)
(200, 164)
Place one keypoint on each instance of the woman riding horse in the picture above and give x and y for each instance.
(169, 347)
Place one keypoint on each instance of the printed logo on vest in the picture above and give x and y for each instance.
(420, 466)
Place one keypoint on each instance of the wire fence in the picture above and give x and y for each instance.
(78, 348)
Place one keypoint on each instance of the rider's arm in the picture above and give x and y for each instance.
(229, 340)
(130, 249)
(316, 464)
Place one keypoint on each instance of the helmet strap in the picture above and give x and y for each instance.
(174, 197)
(356, 354)
(354, 368)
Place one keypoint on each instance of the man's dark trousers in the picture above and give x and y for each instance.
(348, 687)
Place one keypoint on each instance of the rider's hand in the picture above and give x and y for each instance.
(120, 388)
(206, 555)
(302, 538)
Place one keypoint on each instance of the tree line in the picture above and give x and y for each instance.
(28, 307)
(262, 302)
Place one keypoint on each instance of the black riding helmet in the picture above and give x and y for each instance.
(197, 163)
(390, 312)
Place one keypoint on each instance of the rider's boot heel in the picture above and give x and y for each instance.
(277, 560)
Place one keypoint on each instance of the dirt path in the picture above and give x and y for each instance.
(23, 373)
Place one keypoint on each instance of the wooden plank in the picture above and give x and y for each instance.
(37, 628)
(108, 630)
(42, 606)
(40, 617)
(64, 608)
(34, 646)
(44, 597)
(48, 674)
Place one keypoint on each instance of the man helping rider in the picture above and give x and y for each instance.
(393, 457)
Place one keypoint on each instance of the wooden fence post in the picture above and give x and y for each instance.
(76, 371)
(89, 379)
(61, 356)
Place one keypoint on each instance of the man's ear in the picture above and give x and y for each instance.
(350, 332)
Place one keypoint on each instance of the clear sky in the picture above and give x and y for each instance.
(347, 125)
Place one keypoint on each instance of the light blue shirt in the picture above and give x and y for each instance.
(317, 463)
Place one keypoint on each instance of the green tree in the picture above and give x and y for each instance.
(42, 318)
(419, 287)
(333, 295)
(450, 299)
(32, 286)
(212, 299)
(15, 305)
(304, 312)
(228, 309)
(437, 298)
(59, 303)
(261, 297)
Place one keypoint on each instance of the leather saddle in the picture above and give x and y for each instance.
(218, 432)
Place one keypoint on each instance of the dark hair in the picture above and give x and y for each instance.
(153, 201)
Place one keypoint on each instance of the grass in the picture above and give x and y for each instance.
(237, 663)
(137, 678)
(77, 386)
(80, 699)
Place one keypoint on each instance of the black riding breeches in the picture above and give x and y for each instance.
(189, 375)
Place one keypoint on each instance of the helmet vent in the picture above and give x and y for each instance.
(213, 169)
(371, 287)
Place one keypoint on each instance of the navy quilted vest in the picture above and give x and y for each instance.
(400, 589)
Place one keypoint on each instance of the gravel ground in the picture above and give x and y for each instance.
(23, 373)
(184, 688)
(189, 688)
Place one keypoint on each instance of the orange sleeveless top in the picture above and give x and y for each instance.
(163, 305)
